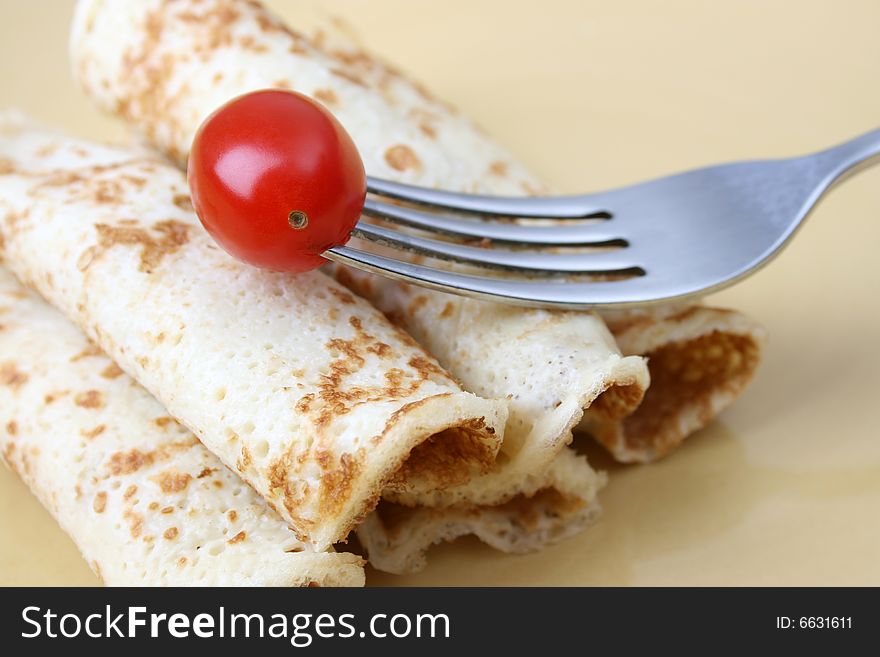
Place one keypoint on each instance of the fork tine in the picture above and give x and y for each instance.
(542, 293)
(559, 207)
(584, 234)
(603, 262)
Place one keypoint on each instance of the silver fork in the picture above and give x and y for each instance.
(672, 238)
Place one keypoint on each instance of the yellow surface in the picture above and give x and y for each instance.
(785, 487)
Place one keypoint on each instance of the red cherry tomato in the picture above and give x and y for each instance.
(276, 180)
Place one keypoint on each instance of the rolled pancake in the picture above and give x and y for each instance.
(165, 67)
(143, 500)
(396, 537)
(306, 391)
(700, 361)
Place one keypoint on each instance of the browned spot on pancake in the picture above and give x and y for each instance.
(135, 522)
(129, 492)
(280, 488)
(183, 201)
(395, 378)
(331, 391)
(232, 515)
(297, 49)
(426, 368)
(245, 459)
(304, 403)
(248, 42)
(112, 371)
(217, 483)
(12, 428)
(93, 433)
(12, 219)
(170, 534)
(181, 562)
(100, 502)
(206, 472)
(85, 180)
(269, 25)
(46, 150)
(326, 96)
(346, 349)
(341, 295)
(53, 396)
(352, 58)
(104, 192)
(381, 349)
(336, 484)
(88, 352)
(130, 461)
(238, 538)
(416, 304)
(447, 309)
(89, 399)
(498, 168)
(152, 506)
(402, 158)
(351, 77)
(7, 166)
(134, 181)
(11, 376)
(171, 236)
(172, 481)
(167, 509)
(282, 84)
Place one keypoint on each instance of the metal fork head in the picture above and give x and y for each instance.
(666, 239)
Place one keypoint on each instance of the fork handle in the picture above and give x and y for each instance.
(845, 160)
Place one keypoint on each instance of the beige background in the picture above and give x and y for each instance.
(785, 487)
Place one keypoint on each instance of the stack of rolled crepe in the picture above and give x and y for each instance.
(289, 384)
(144, 501)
